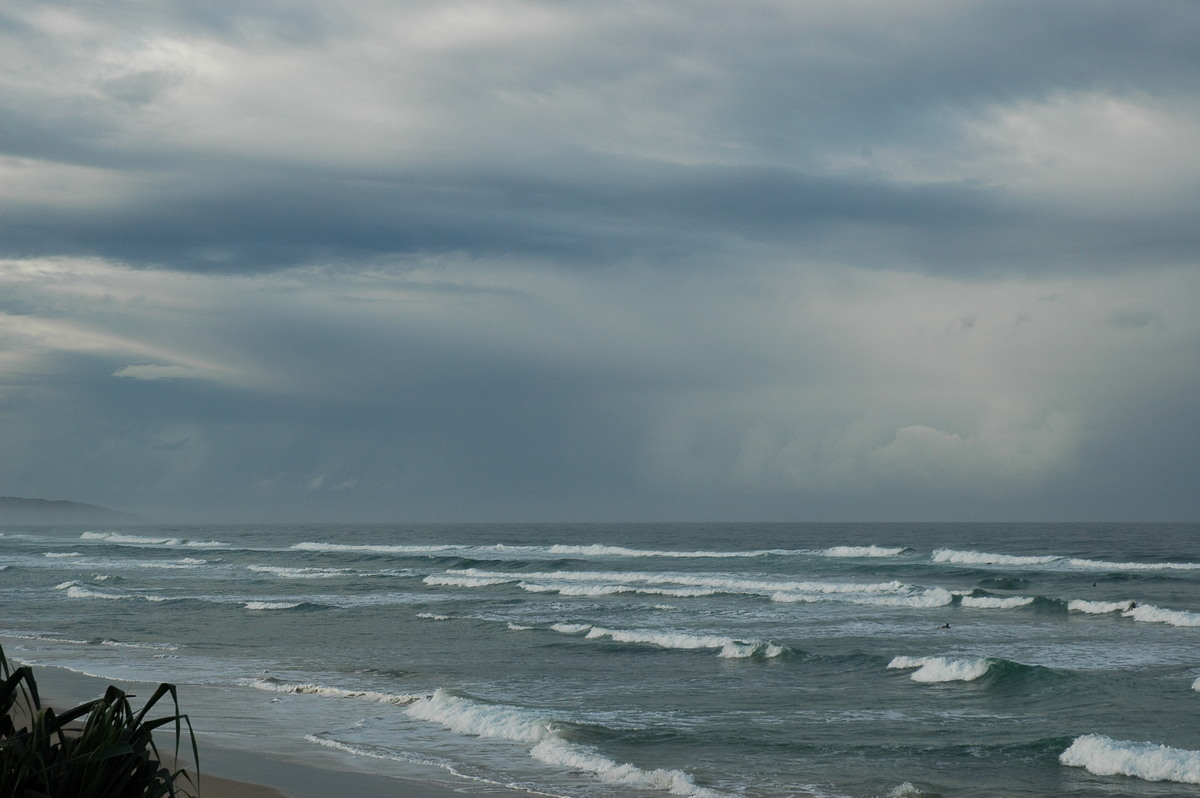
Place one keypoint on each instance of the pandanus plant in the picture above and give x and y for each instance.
(99, 749)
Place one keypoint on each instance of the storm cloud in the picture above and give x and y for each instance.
(635, 260)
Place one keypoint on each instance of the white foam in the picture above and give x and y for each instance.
(942, 669)
(863, 551)
(1105, 756)
(275, 686)
(271, 605)
(1148, 613)
(1098, 607)
(138, 540)
(532, 552)
(986, 558)
(81, 590)
(59, 555)
(727, 647)
(1145, 613)
(499, 721)
(598, 550)
(684, 585)
(931, 597)
(429, 616)
(453, 580)
(298, 573)
(995, 602)
(1103, 565)
(559, 752)
(377, 549)
(466, 716)
(904, 790)
(1196, 684)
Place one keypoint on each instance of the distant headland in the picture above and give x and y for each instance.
(14, 510)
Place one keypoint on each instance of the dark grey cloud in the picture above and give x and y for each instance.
(509, 259)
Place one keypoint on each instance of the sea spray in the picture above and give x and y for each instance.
(1105, 756)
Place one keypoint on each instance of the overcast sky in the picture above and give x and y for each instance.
(622, 260)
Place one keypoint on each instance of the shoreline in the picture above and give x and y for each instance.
(231, 772)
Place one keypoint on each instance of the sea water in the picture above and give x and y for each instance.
(652, 660)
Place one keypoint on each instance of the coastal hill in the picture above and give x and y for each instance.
(42, 511)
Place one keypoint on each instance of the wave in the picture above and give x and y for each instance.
(273, 605)
(550, 745)
(942, 669)
(996, 602)
(985, 558)
(599, 583)
(299, 573)
(138, 540)
(50, 637)
(864, 551)
(1145, 613)
(555, 551)
(271, 684)
(1105, 756)
(83, 590)
(727, 646)
(957, 557)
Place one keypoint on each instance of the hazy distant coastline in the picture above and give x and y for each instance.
(14, 510)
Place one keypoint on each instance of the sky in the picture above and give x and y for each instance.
(556, 260)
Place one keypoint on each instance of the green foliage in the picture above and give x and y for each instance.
(100, 749)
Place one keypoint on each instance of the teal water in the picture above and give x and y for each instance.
(650, 660)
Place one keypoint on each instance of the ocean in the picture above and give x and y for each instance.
(622, 660)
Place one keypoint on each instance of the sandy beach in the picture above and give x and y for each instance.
(232, 773)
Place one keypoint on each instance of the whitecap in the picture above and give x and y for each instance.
(559, 752)
(1105, 756)
(1148, 613)
(863, 551)
(1098, 607)
(996, 602)
(942, 669)
(986, 558)
(271, 605)
(297, 573)
(500, 721)
(276, 686)
(728, 647)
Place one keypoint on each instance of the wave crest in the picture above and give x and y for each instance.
(1105, 756)
(931, 670)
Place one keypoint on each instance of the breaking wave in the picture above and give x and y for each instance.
(1146, 613)
(942, 669)
(600, 583)
(997, 602)
(138, 540)
(556, 551)
(549, 742)
(273, 605)
(299, 573)
(1105, 756)
(274, 685)
(864, 551)
(957, 557)
(727, 646)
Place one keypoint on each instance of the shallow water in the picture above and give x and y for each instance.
(626, 660)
